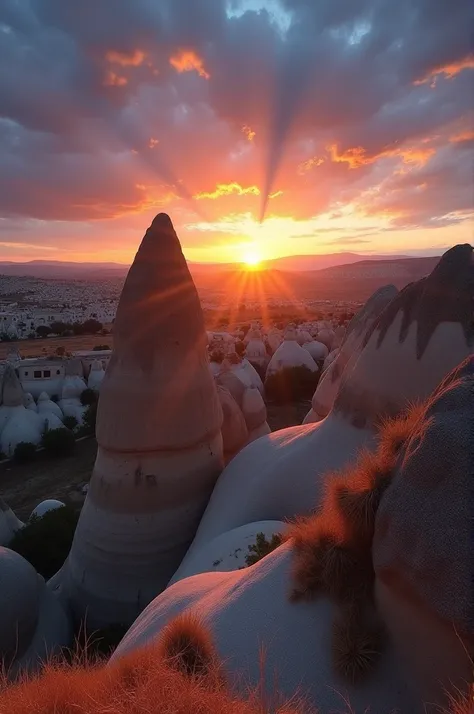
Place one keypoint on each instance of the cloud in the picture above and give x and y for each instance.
(110, 109)
(227, 190)
(188, 61)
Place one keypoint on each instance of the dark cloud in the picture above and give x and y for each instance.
(96, 122)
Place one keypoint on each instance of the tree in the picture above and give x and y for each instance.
(92, 326)
(58, 327)
(43, 330)
(78, 328)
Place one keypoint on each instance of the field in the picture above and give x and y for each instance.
(23, 486)
(40, 348)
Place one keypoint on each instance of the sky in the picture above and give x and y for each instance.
(264, 128)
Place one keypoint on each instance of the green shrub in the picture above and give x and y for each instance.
(262, 547)
(70, 422)
(59, 442)
(88, 397)
(24, 451)
(88, 421)
(291, 384)
(45, 542)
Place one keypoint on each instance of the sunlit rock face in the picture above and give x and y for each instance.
(250, 402)
(325, 394)
(234, 430)
(9, 523)
(290, 354)
(330, 644)
(160, 446)
(33, 625)
(423, 333)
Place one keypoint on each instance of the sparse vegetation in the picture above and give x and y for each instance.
(89, 420)
(45, 542)
(59, 442)
(291, 384)
(99, 348)
(70, 422)
(88, 397)
(262, 547)
(24, 451)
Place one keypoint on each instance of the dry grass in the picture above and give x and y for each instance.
(181, 674)
(332, 549)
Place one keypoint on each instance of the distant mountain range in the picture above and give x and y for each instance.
(55, 269)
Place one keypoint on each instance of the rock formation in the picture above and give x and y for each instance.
(249, 401)
(50, 504)
(33, 625)
(390, 549)
(255, 351)
(284, 474)
(290, 354)
(325, 394)
(160, 445)
(96, 375)
(9, 523)
(16, 422)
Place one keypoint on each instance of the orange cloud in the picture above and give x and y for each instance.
(227, 189)
(306, 166)
(114, 80)
(249, 133)
(462, 136)
(188, 61)
(448, 70)
(357, 156)
(126, 60)
(153, 142)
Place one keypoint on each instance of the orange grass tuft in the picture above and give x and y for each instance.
(186, 645)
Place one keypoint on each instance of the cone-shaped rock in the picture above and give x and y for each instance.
(159, 435)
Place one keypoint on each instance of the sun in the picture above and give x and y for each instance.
(251, 259)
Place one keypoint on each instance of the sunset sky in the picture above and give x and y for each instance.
(354, 117)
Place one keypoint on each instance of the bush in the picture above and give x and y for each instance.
(92, 326)
(59, 442)
(262, 547)
(70, 422)
(24, 451)
(260, 369)
(88, 421)
(99, 348)
(291, 384)
(88, 397)
(240, 348)
(45, 542)
(43, 330)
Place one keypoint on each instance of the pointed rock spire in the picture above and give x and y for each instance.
(160, 445)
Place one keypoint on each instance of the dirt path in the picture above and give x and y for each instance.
(23, 486)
